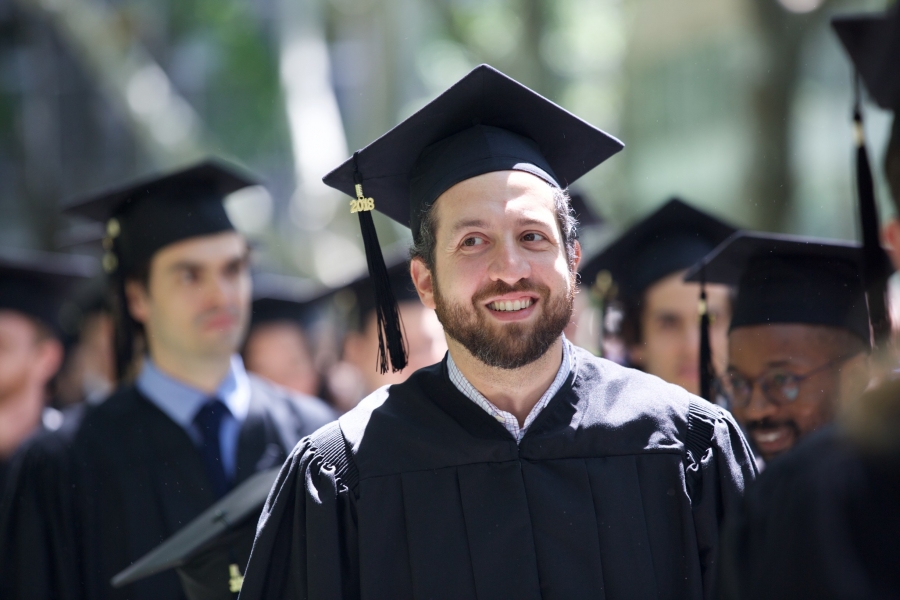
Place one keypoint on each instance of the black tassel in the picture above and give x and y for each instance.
(124, 330)
(390, 327)
(706, 367)
(874, 272)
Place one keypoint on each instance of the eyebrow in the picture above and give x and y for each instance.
(469, 223)
(184, 265)
(525, 222)
(770, 365)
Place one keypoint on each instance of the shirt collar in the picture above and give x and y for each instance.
(181, 402)
(507, 419)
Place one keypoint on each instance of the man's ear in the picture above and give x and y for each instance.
(577, 259)
(137, 301)
(50, 358)
(423, 280)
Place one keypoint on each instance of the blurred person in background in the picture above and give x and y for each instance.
(278, 345)
(799, 335)
(88, 373)
(358, 375)
(88, 501)
(33, 288)
(659, 311)
(822, 522)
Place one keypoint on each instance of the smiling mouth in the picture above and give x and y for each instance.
(511, 305)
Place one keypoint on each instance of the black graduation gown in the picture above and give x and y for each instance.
(617, 490)
(822, 521)
(85, 502)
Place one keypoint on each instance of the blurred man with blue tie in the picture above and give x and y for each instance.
(187, 422)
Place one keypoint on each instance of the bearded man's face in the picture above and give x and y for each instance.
(502, 287)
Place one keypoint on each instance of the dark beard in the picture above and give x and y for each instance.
(509, 345)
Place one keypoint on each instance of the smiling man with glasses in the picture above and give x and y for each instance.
(799, 336)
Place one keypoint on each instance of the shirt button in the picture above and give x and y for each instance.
(499, 418)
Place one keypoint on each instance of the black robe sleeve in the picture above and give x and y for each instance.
(719, 465)
(38, 553)
(306, 540)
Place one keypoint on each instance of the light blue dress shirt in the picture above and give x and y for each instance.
(181, 403)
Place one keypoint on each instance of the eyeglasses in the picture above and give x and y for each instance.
(779, 387)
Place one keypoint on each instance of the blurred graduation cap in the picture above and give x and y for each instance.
(211, 552)
(873, 43)
(669, 240)
(485, 122)
(284, 298)
(39, 284)
(791, 279)
(142, 217)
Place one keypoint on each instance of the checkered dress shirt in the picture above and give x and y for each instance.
(507, 419)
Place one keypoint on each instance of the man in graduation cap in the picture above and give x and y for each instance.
(646, 265)
(519, 466)
(33, 289)
(799, 336)
(822, 522)
(187, 429)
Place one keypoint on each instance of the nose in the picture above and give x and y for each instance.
(509, 263)
(219, 290)
(759, 406)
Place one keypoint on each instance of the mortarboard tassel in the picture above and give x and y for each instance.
(390, 327)
(874, 273)
(706, 367)
(124, 324)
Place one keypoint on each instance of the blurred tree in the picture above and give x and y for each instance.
(782, 35)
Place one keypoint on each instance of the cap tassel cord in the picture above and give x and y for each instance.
(707, 370)
(390, 327)
(874, 273)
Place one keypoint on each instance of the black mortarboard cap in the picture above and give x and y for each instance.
(790, 279)
(39, 283)
(145, 216)
(671, 239)
(284, 298)
(873, 43)
(211, 552)
(485, 122)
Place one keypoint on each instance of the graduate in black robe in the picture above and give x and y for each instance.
(823, 521)
(616, 489)
(87, 501)
(34, 288)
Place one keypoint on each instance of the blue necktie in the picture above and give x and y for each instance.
(208, 423)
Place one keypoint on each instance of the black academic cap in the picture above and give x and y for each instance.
(873, 43)
(143, 217)
(284, 298)
(485, 122)
(211, 552)
(39, 283)
(669, 240)
(790, 279)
